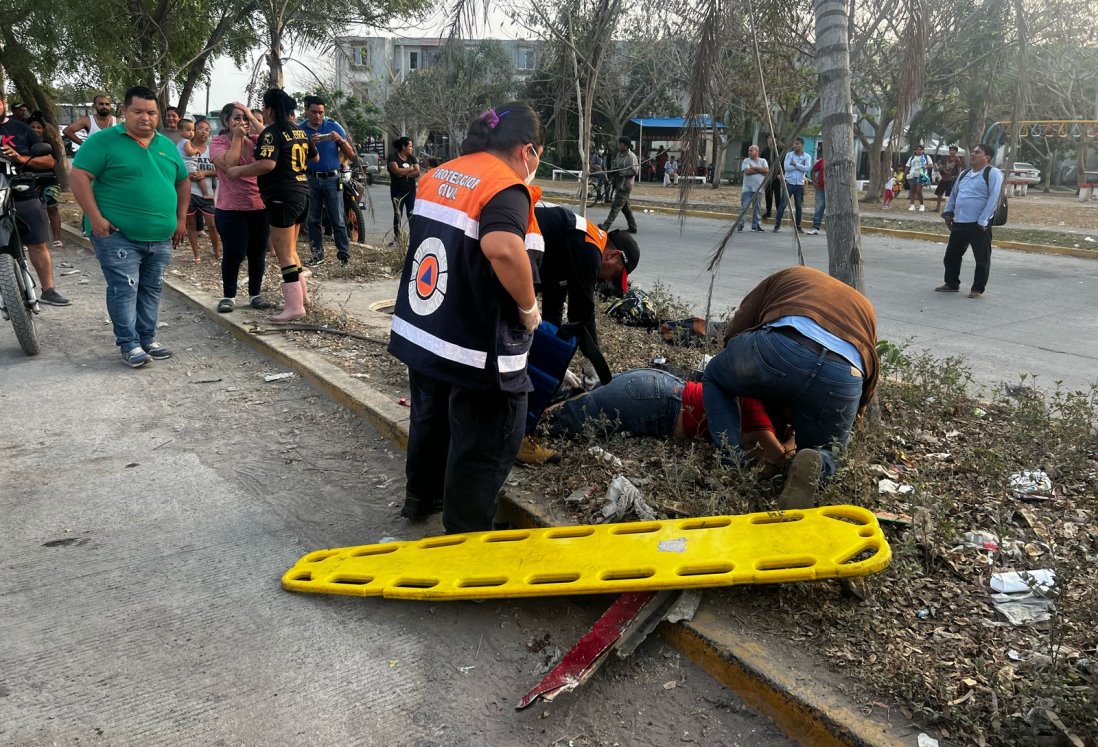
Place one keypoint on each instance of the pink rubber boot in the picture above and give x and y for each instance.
(294, 293)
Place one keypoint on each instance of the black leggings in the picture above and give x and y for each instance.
(402, 201)
(243, 234)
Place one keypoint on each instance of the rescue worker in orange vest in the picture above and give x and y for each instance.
(578, 255)
(465, 316)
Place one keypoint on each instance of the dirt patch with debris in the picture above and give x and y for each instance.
(925, 636)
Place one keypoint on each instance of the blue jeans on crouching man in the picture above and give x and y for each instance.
(134, 271)
(822, 394)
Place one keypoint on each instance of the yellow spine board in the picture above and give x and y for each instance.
(761, 548)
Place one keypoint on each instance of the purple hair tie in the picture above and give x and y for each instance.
(491, 118)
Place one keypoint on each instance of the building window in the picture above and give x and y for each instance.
(413, 60)
(361, 55)
(526, 59)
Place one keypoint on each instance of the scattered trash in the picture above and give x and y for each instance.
(685, 607)
(925, 740)
(605, 456)
(979, 412)
(278, 377)
(162, 325)
(1023, 609)
(205, 381)
(1009, 582)
(69, 272)
(403, 402)
(889, 486)
(898, 520)
(82, 281)
(1032, 485)
(982, 540)
(670, 685)
(360, 376)
(923, 614)
(580, 495)
(621, 498)
(1088, 238)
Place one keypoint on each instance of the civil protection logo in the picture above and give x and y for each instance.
(427, 287)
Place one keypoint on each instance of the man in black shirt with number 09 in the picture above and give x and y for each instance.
(281, 154)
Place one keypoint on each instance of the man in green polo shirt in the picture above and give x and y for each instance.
(132, 184)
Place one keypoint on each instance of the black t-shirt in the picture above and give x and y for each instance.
(403, 184)
(569, 270)
(287, 145)
(20, 137)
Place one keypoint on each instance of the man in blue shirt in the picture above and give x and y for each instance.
(968, 212)
(797, 163)
(325, 186)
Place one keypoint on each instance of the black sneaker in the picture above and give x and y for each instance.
(344, 260)
(315, 262)
(259, 302)
(157, 351)
(415, 510)
(777, 228)
(225, 305)
(53, 298)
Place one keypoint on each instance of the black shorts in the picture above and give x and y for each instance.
(34, 223)
(200, 204)
(287, 209)
(943, 187)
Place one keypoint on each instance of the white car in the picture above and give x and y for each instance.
(1023, 172)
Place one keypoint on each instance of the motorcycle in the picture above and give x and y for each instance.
(18, 301)
(354, 200)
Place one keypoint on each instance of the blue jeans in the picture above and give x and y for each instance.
(822, 394)
(796, 191)
(325, 195)
(134, 271)
(643, 402)
(821, 206)
(746, 197)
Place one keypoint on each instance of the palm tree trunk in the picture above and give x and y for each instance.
(844, 239)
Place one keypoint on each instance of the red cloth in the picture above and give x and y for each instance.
(753, 416)
(694, 423)
(818, 173)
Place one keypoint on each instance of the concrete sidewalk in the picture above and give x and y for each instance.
(805, 705)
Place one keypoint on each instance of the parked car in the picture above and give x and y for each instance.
(1024, 172)
(370, 165)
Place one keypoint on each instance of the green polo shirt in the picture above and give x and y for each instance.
(134, 185)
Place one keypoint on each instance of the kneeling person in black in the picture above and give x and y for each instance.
(280, 157)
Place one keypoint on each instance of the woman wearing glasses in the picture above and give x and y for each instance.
(239, 213)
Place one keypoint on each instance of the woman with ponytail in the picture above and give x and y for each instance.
(465, 316)
(280, 157)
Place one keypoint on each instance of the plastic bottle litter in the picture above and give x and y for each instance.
(605, 456)
(982, 540)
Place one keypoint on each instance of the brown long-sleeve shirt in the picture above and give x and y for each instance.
(831, 303)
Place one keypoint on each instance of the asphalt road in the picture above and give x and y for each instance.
(1037, 318)
(148, 515)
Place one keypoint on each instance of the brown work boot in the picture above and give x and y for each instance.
(531, 452)
(802, 481)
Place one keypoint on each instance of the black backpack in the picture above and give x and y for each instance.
(634, 309)
(1002, 209)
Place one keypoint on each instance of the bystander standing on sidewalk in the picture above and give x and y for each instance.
(918, 176)
(16, 139)
(949, 171)
(403, 171)
(821, 195)
(796, 166)
(239, 212)
(325, 186)
(132, 185)
(755, 169)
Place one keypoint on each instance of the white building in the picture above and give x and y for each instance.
(373, 65)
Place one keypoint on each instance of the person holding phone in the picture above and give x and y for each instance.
(325, 186)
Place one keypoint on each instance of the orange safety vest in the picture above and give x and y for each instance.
(453, 319)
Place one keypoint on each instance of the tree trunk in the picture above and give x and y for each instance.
(878, 168)
(274, 56)
(844, 238)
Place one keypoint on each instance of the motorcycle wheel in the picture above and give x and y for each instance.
(356, 223)
(15, 303)
(592, 194)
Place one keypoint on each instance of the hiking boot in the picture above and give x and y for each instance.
(531, 452)
(158, 352)
(53, 298)
(802, 481)
(947, 288)
(135, 357)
